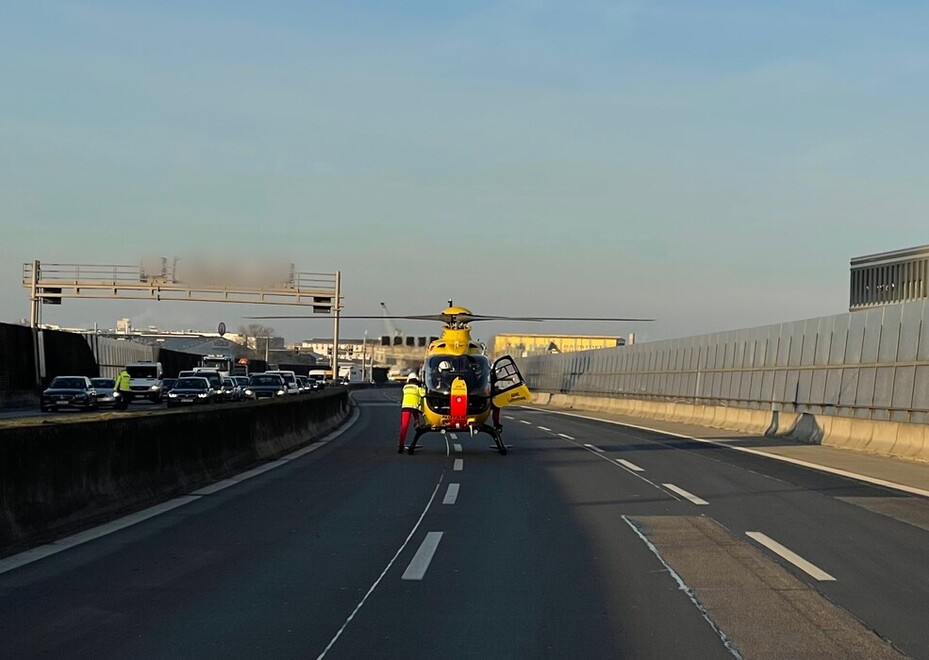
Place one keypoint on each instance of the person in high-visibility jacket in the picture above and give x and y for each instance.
(121, 388)
(411, 408)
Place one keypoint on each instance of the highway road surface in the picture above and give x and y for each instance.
(588, 539)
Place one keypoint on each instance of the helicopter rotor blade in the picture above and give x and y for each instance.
(481, 317)
(464, 318)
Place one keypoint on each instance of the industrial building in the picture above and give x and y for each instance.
(525, 345)
(889, 277)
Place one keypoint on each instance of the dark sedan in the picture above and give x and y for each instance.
(265, 386)
(190, 391)
(69, 392)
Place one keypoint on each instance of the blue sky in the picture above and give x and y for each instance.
(714, 164)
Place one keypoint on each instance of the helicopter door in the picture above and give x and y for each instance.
(508, 384)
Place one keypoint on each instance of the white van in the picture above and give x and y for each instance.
(290, 380)
(145, 380)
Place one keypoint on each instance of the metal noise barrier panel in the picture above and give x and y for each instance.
(871, 364)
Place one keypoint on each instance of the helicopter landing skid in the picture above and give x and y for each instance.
(497, 436)
(494, 433)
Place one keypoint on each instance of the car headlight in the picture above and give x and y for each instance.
(281, 392)
(249, 392)
(154, 388)
(172, 395)
(203, 395)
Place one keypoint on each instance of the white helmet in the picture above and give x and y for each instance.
(412, 377)
(444, 365)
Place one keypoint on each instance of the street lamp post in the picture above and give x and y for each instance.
(364, 357)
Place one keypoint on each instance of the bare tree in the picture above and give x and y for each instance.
(254, 333)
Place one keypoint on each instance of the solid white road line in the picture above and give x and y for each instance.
(457, 448)
(542, 428)
(42, 551)
(566, 437)
(459, 464)
(239, 478)
(748, 450)
(596, 449)
(423, 557)
(451, 495)
(686, 589)
(683, 493)
(813, 571)
(627, 464)
(381, 577)
(61, 545)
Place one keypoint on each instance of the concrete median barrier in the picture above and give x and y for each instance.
(885, 438)
(55, 475)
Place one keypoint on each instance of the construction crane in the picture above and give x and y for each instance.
(392, 331)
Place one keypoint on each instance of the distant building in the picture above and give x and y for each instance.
(889, 277)
(525, 345)
(349, 349)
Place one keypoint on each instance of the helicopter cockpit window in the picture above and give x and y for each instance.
(441, 370)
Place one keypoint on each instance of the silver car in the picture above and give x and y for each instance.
(106, 394)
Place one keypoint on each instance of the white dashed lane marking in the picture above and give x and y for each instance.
(566, 437)
(813, 571)
(457, 448)
(523, 421)
(688, 496)
(420, 564)
(542, 428)
(459, 464)
(627, 464)
(593, 448)
(451, 495)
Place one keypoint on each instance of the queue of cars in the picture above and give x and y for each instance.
(194, 387)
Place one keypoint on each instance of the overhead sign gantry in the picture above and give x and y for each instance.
(186, 280)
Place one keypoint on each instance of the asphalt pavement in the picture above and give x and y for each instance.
(588, 539)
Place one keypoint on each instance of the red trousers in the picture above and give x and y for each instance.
(405, 416)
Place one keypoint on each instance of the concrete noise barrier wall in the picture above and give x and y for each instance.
(57, 474)
(871, 364)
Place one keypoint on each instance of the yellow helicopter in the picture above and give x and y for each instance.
(463, 387)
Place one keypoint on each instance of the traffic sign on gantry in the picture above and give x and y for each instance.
(189, 279)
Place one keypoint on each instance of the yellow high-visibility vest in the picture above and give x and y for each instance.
(413, 396)
(122, 382)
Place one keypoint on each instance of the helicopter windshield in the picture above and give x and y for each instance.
(441, 370)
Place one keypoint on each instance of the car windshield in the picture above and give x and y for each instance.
(241, 380)
(441, 370)
(274, 381)
(288, 378)
(103, 382)
(68, 383)
(191, 384)
(228, 382)
(142, 372)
